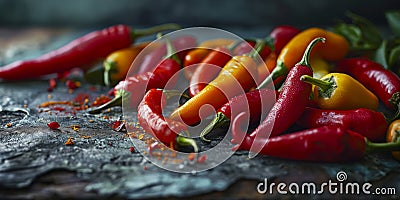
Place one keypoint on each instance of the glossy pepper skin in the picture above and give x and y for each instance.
(291, 102)
(257, 102)
(341, 92)
(322, 144)
(369, 123)
(81, 52)
(236, 76)
(334, 49)
(152, 121)
(384, 83)
(118, 63)
(208, 69)
(196, 55)
(135, 86)
(393, 135)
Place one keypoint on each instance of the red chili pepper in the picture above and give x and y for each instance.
(369, 123)
(275, 42)
(384, 83)
(322, 144)
(152, 121)
(181, 45)
(81, 52)
(137, 85)
(292, 99)
(257, 102)
(204, 73)
(247, 46)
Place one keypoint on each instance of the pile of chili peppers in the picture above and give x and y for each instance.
(319, 103)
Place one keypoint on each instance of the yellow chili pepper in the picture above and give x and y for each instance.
(320, 67)
(341, 92)
(117, 64)
(238, 75)
(393, 135)
(334, 49)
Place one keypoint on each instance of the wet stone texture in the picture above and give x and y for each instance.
(35, 162)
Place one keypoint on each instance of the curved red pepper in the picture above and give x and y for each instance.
(291, 102)
(369, 123)
(322, 144)
(151, 119)
(382, 82)
(81, 52)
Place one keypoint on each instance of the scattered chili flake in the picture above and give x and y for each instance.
(53, 125)
(49, 96)
(8, 125)
(141, 136)
(106, 117)
(191, 156)
(132, 149)
(145, 167)
(118, 126)
(52, 85)
(202, 158)
(69, 142)
(75, 127)
(72, 84)
(85, 136)
(91, 120)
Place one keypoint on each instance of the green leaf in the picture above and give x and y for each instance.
(394, 56)
(380, 54)
(369, 31)
(393, 18)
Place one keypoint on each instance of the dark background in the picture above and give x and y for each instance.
(222, 13)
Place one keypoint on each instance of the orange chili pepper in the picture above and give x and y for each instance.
(335, 48)
(240, 70)
(196, 55)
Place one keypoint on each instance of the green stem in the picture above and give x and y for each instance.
(388, 146)
(219, 120)
(171, 52)
(180, 140)
(135, 33)
(306, 56)
(108, 68)
(279, 70)
(258, 47)
(324, 85)
(117, 101)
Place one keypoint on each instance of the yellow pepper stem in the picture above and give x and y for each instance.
(324, 85)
